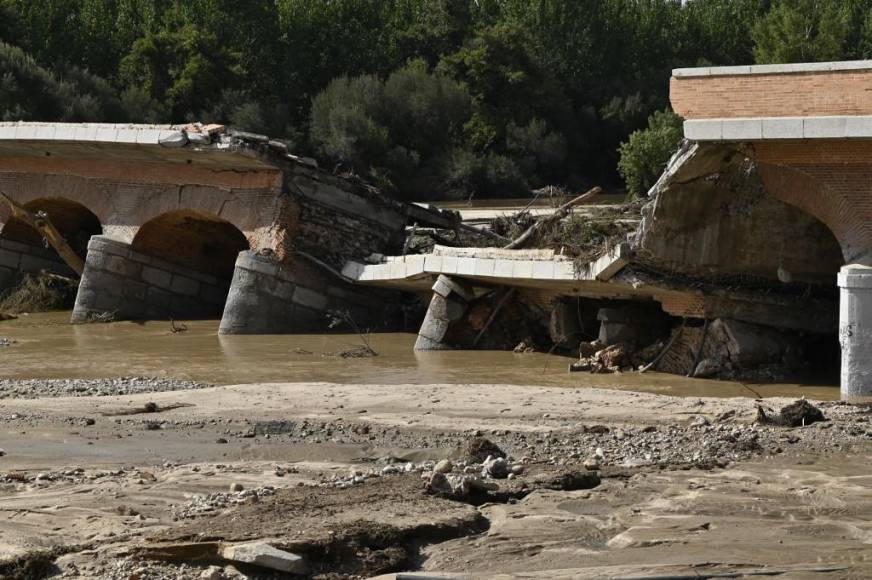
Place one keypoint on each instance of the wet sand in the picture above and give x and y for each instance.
(801, 499)
(200, 354)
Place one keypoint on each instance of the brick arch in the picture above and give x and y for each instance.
(192, 238)
(808, 190)
(75, 222)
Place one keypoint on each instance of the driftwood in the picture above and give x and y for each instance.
(559, 214)
(493, 315)
(41, 223)
(672, 340)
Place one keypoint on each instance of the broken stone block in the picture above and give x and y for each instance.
(266, 556)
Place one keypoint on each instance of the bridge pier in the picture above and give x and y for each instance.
(855, 330)
(271, 297)
(131, 285)
(448, 306)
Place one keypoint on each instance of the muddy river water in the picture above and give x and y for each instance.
(47, 346)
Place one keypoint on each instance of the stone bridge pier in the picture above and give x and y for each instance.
(196, 222)
(807, 129)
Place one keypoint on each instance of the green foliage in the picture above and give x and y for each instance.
(427, 97)
(801, 31)
(645, 154)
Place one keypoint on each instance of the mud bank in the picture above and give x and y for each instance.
(334, 472)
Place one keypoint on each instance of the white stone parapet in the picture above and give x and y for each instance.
(88, 132)
(773, 69)
(855, 330)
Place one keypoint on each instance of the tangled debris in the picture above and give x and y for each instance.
(41, 292)
(797, 414)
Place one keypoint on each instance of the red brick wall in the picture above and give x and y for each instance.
(773, 95)
(831, 180)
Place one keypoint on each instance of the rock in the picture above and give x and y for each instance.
(264, 555)
(221, 440)
(212, 573)
(444, 466)
(592, 464)
(495, 467)
(236, 486)
(478, 450)
(2, 452)
(708, 367)
(438, 483)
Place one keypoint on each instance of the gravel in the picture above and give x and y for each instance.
(40, 388)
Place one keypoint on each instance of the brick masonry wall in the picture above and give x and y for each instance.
(135, 286)
(269, 297)
(830, 180)
(812, 94)
(16, 258)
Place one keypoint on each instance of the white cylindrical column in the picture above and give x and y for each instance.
(855, 330)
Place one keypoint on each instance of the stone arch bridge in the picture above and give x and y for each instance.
(195, 221)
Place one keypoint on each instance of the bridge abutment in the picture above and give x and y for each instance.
(855, 330)
(131, 285)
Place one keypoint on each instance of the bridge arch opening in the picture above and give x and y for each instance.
(197, 240)
(75, 222)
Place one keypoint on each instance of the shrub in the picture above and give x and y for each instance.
(647, 151)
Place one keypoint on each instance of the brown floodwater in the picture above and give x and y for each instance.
(47, 346)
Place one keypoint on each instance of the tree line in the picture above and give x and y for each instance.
(427, 98)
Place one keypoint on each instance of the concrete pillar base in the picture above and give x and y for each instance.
(133, 286)
(448, 306)
(855, 330)
(17, 258)
(269, 297)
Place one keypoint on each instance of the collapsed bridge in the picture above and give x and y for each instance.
(189, 221)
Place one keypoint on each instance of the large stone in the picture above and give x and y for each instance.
(266, 556)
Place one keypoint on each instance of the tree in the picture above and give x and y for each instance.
(802, 31)
(644, 155)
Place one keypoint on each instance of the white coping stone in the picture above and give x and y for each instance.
(381, 271)
(764, 128)
(858, 126)
(86, 133)
(732, 129)
(397, 269)
(523, 269)
(703, 130)
(415, 265)
(466, 266)
(26, 132)
(543, 270)
(824, 127)
(7, 132)
(449, 264)
(786, 128)
(433, 263)
(485, 267)
(768, 69)
(564, 271)
(503, 268)
(126, 136)
(45, 133)
(106, 134)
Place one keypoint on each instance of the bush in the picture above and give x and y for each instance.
(646, 153)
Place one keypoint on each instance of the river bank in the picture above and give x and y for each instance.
(684, 482)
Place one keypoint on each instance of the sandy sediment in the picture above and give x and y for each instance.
(150, 485)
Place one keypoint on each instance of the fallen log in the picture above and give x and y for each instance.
(559, 214)
(42, 224)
